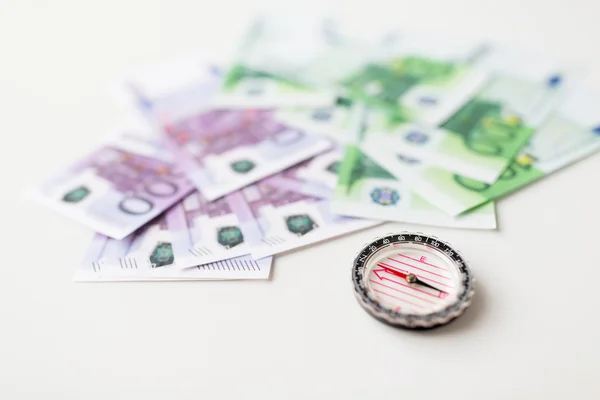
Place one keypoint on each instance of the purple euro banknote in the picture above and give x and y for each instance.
(315, 177)
(274, 220)
(172, 89)
(117, 188)
(225, 150)
(204, 231)
(149, 254)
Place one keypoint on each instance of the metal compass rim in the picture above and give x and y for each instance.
(405, 320)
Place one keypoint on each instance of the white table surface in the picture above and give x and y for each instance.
(532, 332)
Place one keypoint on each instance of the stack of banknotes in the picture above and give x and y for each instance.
(311, 133)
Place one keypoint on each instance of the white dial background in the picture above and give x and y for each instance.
(386, 280)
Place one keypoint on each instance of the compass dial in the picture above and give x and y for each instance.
(412, 280)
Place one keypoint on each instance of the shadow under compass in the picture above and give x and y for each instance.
(468, 320)
(461, 324)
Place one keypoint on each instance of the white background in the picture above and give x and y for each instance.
(532, 332)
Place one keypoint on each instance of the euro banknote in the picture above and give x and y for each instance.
(319, 177)
(167, 91)
(415, 77)
(289, 62)
(483, 136)
(367, 190)
(275, 220)
(221, 150)
(335, 121)
(412, 76)
(315, 177)
(202, 232)
(225, 150)
(123, 184)
(192, 232)
(147, 256)
(571, 133)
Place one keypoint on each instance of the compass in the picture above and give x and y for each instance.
(411, 280)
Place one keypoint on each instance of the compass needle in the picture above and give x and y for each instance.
(422, 283)
(427, 286)
(410, 278)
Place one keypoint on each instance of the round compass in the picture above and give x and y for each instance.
(411, 280)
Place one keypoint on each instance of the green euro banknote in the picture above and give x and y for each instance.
(483, 136)
(307, 62)
(290, 62)
(366, 190)
(569, 134)
(415, 77)
(337, 121)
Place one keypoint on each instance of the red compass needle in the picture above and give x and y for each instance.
(410, 278)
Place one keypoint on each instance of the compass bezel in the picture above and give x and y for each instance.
(403, 320)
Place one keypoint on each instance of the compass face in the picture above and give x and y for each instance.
(386, 280)
(412, 281)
